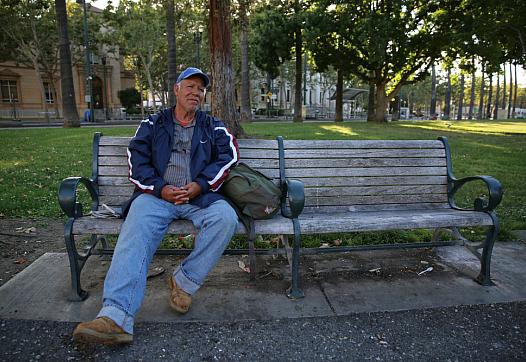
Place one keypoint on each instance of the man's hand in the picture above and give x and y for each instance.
(180, 195)
(174, 194)
(193, 189)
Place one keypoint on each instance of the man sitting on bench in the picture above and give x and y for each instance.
(178, 159)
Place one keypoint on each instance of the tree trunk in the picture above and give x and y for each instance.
(511, 92)
(246, 112)
(497, 95)
(433, 107)
(172, 50)
(395, 106)
(461, 99)
(381, 103)
(490, 97)
(339, 97)
(503, 104)
(298, 116)
(223, 87)
(515, 93)
(447, 107)
(481, 101)
(69, 105)
(371, 101)
(472, 98)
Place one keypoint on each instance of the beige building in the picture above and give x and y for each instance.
(22, 96)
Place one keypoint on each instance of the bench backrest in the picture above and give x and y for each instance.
(338, 175)
(112, 165)
(369, 175)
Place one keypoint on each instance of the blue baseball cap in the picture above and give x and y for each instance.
(189, 72)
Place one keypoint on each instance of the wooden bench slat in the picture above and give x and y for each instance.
(376, 221)
(363, 162)
(373, 171)
(375, 199)
(319, 223)
(372, 180)
(374, 190)
(333, 144)
(245, 143)
(320, 209)
(254, 163)
(363, 153)
(90, 225)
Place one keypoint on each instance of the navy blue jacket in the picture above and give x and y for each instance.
(214, 150)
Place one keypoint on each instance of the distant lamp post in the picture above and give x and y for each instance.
(198, 36)
(89, 76)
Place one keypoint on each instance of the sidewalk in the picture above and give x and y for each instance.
(334, 285)
(361, 306)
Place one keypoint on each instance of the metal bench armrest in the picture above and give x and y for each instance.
(495, 192)
(67, 195)
(294, 198)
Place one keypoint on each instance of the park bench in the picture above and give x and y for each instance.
(329, 187)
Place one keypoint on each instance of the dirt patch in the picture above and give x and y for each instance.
(22, 241)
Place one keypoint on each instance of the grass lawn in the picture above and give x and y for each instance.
(34, 161)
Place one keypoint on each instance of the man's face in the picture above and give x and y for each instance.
(189, 93)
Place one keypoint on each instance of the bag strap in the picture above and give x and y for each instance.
(250, 227)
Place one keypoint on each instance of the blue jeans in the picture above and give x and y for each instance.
(141, 235)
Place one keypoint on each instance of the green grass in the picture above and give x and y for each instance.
(34, 161)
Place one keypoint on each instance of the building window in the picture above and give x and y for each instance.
(9, 91)
(288, 95)
(50, 98)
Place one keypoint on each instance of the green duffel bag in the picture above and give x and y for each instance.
(253, 193)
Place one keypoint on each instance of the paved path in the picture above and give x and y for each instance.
(358, 306)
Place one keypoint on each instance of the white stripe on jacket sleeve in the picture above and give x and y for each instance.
(234, 159)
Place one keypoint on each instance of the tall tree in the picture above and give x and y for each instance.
(480, 113)
(31, 26)
(510, 92)
(447, 101)
(409, 35)
(69, 106)
(497, 95)
(433, 107)
(172, 49)
(515, 93)
(278, 34)
(490, 96)
(473, 85)
(461, 98)
(223, 87)
(246, 111)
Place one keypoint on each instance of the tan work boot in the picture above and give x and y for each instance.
(180, 300)
(101, 330)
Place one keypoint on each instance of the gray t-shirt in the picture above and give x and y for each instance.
(178, 170)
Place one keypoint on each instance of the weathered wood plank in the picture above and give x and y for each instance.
(244, 143)
(364, 162)
(373, 180)
(362, 153)
(320, 209)
(333, 144)
(113, 180)
(244, 152)
(374, 199)
(88, 225)
(319, 223)
(373, 171)
(374, 190)
(373, 221)
(256, 163)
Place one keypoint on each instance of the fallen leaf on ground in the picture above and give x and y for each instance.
(242, 266)
(21, 261)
